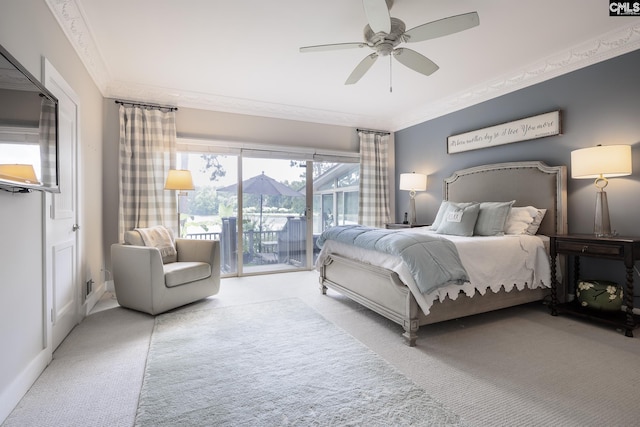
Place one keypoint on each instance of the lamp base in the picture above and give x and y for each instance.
(601, 223)
(182, 201)
(182, 207)
(412, 211)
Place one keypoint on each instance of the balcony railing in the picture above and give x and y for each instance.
(285, 246)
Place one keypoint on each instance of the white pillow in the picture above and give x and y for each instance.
(533, 227)
(524, 220)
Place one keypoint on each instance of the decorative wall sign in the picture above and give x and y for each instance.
(539, 126)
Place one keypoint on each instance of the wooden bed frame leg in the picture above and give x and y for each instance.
(410, 332)
(323, 288)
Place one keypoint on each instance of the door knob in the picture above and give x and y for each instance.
(75, 227)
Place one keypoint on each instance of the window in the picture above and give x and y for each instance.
(335, 190)
(210, 214)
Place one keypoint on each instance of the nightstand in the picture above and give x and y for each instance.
(626, 249)
(400, 225)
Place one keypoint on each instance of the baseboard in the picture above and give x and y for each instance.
(93, 298)
(11, 396)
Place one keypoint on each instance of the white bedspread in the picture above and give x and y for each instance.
(511, 261)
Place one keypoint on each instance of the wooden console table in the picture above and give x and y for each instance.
(626, 249)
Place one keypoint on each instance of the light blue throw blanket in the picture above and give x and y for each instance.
(434, 262)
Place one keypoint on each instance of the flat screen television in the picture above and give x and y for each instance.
(28, 130)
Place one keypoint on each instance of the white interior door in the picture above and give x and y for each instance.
(61, 246)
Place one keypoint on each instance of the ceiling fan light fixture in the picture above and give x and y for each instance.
(383, 34)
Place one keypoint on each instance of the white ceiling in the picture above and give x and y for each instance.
(242, 56)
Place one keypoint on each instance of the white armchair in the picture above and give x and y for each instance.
(143, 282)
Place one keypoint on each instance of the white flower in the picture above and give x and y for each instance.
(611, 290)
(584, 303)
(585, 285)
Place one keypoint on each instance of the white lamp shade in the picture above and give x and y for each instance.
(607, 161)
(19, 173)
(413, 181)
(179, 180)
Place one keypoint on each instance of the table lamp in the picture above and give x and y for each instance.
(413, 182)
(599, 163)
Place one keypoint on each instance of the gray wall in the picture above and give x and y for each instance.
(600, 105)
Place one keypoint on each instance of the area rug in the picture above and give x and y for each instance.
(275, 363)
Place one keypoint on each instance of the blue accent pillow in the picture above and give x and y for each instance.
(459, 221)
(443, 210)
(492, 218)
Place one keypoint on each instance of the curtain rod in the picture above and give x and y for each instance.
(139, 104)
(380, 132)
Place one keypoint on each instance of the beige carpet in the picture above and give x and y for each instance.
(514, 367)
(95, 376)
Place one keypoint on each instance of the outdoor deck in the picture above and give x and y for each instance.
(267, 250)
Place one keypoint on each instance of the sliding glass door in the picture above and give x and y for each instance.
(274, 210)
(208, 213)
(255, 202)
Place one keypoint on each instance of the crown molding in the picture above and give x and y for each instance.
(607, 46)
(186, 99)
(71, 18)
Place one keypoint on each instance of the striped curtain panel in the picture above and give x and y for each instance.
(47, 143)
(147, 152)
(374, 183)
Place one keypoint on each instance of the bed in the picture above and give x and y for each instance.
(381, 288)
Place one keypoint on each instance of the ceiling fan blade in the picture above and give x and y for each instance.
(442, 27)
(377, 15)
(417, 62)
(361, 69)
(335, 46)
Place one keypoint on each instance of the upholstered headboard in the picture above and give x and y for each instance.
(528, 183)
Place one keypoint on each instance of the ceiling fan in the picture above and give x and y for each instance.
(383, 34)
